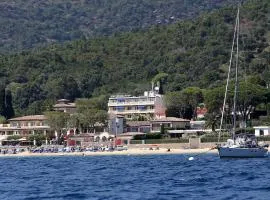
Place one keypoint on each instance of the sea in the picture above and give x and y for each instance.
(134, 177)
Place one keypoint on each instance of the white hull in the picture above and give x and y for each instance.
(237, 152)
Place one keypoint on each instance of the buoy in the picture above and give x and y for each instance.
(191, 158)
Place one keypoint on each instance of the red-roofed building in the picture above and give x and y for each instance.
(25, 125)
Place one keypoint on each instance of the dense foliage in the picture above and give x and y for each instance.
(28, 23)
(192, 53)
(90, 115)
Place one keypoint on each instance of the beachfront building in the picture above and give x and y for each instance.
(262, 131)
(65, 105)
(169, 123)
(138, 126)
(25, 126)
(146, 107)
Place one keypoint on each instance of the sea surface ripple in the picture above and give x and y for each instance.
(134, 177)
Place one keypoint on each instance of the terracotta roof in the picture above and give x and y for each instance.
(138, 123)
(170, 119)
(29, 118)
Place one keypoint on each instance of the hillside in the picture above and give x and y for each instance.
(192, 52)
(31, 23)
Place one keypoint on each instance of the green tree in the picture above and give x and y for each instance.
(39, 138)
(92, 118)
(213, 99)
(250, 95)
(58, 122)
(184, 103)
(192, 96)
(2, 119)
(176, 106)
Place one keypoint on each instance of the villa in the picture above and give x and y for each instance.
(24, 126)
(64, 105)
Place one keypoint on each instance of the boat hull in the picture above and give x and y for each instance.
(227, 152)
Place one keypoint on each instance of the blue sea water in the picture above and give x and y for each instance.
(134, 177)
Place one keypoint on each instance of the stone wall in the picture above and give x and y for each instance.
(193, 144)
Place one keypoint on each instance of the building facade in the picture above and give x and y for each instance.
(63, 105)
(116, 124)
(169, 123)
(262, 131)
(144, 107)
(25, 126)
(138, 126)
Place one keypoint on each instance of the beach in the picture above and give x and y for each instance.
(133, 151)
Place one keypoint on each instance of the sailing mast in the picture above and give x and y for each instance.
(238, 147)
(236, 77)
(236, 34)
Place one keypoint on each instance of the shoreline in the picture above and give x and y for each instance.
(129, 152)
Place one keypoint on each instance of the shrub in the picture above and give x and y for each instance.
(148, 136)
(38, 137)
(14, 137)
(214, 139)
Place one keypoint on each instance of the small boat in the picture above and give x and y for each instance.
(244, 145)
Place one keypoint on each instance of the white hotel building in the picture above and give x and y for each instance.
(149, 106)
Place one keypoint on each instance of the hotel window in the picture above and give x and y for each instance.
(141, 107)
(121, 100)
(120, 108)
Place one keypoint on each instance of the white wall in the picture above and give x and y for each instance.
(266, 131)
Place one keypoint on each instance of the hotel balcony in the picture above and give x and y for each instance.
(6, 128)
(131, 103)
(126, 112)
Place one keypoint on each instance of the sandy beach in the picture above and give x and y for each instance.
(134, 151)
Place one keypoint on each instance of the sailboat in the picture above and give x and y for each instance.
(244, 145)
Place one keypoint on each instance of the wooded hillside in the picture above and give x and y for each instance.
(30, 23)
(192, 53)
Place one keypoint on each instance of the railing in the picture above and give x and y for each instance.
(133, 103)
(132, 111)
